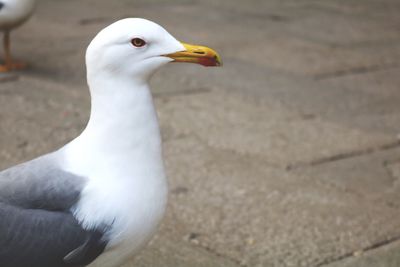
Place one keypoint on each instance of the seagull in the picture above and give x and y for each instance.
(13, 13)
(99, 199)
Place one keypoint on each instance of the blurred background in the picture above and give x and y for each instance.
(289, 155)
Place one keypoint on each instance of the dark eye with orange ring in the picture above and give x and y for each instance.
(137, 42)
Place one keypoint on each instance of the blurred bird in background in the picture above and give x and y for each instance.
(13, 13)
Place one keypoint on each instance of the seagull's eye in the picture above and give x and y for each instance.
(137, 42)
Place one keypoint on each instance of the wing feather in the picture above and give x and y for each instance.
(37, 228)
(40, 183)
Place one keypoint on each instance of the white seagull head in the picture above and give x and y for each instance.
(135, 47)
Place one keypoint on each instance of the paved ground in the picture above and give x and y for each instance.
(289, 155)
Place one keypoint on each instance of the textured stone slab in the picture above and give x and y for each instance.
(241, 207)
(281, 136)
(168, 251)
(373, 176)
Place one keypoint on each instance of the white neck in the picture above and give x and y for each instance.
(122, 129)
(119, 153)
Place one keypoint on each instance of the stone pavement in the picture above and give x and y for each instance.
(289, 155)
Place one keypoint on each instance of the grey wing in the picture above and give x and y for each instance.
(37, 228)
(40, 183)
(1, 5)
(40, 238)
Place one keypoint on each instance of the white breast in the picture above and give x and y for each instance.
(132, 199)
(134, 209)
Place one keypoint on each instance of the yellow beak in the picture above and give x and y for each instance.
(197, 54)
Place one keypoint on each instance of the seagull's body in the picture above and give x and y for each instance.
(13, 13)
(99, 199)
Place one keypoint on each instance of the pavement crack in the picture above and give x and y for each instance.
(354, 71)
(94, 20)
(194, 91)
(348, 255)
(220, 255)
(344, 155)
(8, 78)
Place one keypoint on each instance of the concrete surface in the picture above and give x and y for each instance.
(289, 155)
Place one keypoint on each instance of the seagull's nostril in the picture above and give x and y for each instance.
(199, 52)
